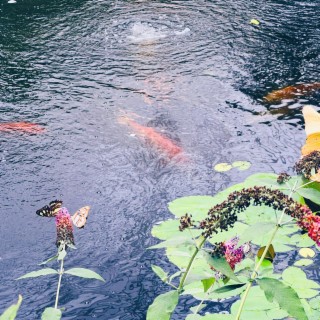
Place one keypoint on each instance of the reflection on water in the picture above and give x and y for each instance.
(194, 72)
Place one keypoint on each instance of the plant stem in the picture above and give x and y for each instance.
(183, 279)
(59, 284)
(256, 269)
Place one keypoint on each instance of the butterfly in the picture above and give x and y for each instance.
(50, 210)
(79, 219)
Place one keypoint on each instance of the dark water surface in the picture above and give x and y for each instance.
(195, 70)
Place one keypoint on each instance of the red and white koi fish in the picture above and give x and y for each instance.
(161, 142)
(25, 127)
(292, 92)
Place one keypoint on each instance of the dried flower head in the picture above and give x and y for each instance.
(224, 215)
(308, 163)
(64, 228)
(185, 222)
(283, 177)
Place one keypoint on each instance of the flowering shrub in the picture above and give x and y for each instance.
(231, 241)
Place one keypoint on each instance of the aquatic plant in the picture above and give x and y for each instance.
(11, 312)
(64, 241)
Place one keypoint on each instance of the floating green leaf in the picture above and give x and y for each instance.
(307, 253)
(160, 272)
(255, 231)
(230, 287)
(11, 312)
(285, 296)
(220, 264)
(303, 262)
(39, 273)
(84, 273)
(51, 314)
(163, 306)
(215, 316)
(241, 165)
(223, 167)
(174, 242)
(207, 283)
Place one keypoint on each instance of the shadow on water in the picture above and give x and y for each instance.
(195, 71)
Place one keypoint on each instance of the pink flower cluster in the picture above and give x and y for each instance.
(233, 254)
(311, 223)
(64, 228)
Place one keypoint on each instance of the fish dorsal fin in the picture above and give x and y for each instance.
(311, 119)
(312, 127)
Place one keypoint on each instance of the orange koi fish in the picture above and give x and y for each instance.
(292, 92)
(158, 140)
(25, 127)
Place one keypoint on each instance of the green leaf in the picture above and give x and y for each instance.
(160, 273)
(241, 165)
(197, 308)
(173, 242)
(221, 265)
(166, 229)
(307, 252)
(285, 296)
(207, 283)
(255, 231)
(62, 254)
(11, 312)
(222, 167)
(214, 316)
(48, 260)
(84, 273)
(303, 262)
(311, 194)
(229, 287)
(297, 279)
(163, 306)
(51, 314)
(39, 273)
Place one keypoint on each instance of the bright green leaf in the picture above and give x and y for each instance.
(163, 306)
(84, 273)
(48, 260)
(241, 165)
(285, 296)
(11, 312)
(220, 264)
(223, 167)
(254, 22)
(39, 273)
(207, 283)
(160, 272)
(51, 314)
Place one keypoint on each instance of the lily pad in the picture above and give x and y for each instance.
(255, 22)
(223, 167)
(307, 253)
(241, 165)
(303, 262)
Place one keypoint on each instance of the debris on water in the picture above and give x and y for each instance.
(183, 32)
(12, 1)
(254, 22)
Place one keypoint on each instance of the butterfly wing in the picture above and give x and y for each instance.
(79, 219)
(50, 210)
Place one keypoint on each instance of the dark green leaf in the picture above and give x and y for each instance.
(207, 283)
(51, 314)
(39, 273)
(163, 306)
(285, 296)
(11, 312)
(270, 253)
(220, 264)
(84, 273)
(229, 287)
(160, 273)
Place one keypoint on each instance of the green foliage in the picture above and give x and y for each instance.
(11, 312)
(84, 273)
(51, 314)
(39, 273)
(163, 306)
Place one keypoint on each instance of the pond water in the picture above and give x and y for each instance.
(196, 71)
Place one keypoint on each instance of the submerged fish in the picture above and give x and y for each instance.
(163, 143)
(25, 127)
(292, 92)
